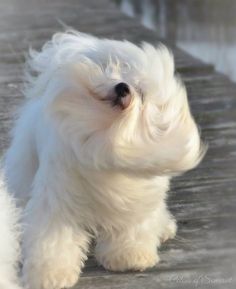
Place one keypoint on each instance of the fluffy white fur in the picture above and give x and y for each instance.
(9, 239)
(85, 168)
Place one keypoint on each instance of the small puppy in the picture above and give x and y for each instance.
(105, 127)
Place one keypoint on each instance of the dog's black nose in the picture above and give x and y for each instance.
(122, 89)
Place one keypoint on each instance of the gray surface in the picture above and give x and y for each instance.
(205, 28)
(204, 252)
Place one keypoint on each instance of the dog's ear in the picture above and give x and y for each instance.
(56, 54)
(179, 147)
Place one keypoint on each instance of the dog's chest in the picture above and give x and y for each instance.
(115, 198)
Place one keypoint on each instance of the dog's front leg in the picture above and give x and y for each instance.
(133, 248)
(54, 245)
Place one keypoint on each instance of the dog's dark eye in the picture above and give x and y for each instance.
(122, 89)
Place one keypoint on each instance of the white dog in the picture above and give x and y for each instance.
(105, 127)
(9, 239)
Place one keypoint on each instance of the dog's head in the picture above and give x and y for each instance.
(119, 106)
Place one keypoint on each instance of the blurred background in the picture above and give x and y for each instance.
(206, 29)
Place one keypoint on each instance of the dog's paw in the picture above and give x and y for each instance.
(56, 278)
(50, 277)
(169, 231)
(136, 259)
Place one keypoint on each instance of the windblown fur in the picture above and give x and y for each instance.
(83, 166)
(9, 239)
